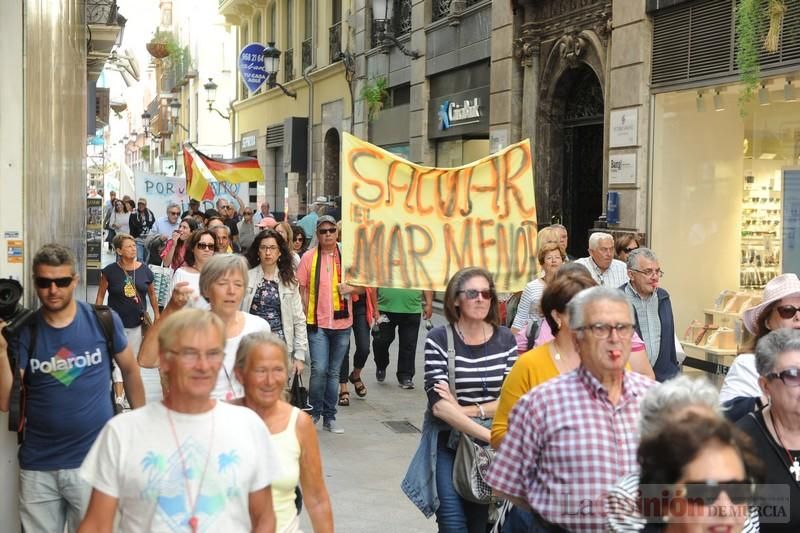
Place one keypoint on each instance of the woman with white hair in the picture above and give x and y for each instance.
(223, 281)
(775, 429)
(660, 407)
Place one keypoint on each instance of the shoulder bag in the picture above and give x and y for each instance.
(298, 394)
(472, 460)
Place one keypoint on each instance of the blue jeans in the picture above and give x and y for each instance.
(455, 514)
(328, 347)
(518, 521)
(141, 251)
(50, 499)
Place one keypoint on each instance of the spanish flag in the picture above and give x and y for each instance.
(202, 170)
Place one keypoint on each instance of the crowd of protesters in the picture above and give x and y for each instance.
(575, 393)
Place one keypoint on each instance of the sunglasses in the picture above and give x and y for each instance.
(472, 294)
(205, 246)
(790, 377)
(45, 283)
(327, 231)
(787, 311)
(707, 492)
(299, 238)
(629, 250)
(174, 213)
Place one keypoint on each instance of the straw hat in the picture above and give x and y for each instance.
(779, 287)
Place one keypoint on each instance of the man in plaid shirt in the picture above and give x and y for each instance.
(571, 438)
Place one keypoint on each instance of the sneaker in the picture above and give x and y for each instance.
(380, 375)
(314, 420)
(331, 426)
(406, 384)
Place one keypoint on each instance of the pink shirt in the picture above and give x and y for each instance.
(325, 297)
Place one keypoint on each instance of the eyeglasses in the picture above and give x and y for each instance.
(602, 331)
(472, 294)
(649, 273)
(205, 246)
(790, 377)
(328, 231)
(268, 248)
(174, 213)
(629, 250)
(45, 283)
(192, 356)
(707, 492)
(787, 311)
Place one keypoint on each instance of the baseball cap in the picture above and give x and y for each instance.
(326, 218)
(142, 201)
(320, 200)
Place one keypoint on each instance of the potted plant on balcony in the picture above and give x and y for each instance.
(375, 93)
(163, 44)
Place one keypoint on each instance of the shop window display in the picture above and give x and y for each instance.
(718, 209)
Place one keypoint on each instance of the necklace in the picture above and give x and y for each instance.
(193, 520)
(130, 282)
(482, 375)
(794, 464)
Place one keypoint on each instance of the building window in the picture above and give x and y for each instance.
(288, 54)
(308, 44)
(441, 9)
(257, 28)
(402, 17)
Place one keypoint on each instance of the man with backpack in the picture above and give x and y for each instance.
(64, 358)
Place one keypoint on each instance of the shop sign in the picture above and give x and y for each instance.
(624, 128)
(612, 207)
(248, 142)
(251, 66)
(622, 169)
(452, 114)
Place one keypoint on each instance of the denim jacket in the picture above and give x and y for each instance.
(420, 481)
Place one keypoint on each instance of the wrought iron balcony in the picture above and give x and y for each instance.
(334, 42)
(288, 65)
(101, 12)
(441, 9)
(306, 51)
(402, 18)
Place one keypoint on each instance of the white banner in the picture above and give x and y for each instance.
(161, 190)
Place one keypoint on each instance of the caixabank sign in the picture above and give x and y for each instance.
(462, 113)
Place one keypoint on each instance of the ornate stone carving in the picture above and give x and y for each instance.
(571, 47)
(527, 46)
(602, 26)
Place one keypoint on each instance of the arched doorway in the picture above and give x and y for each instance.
(582, 193)
(331, 185)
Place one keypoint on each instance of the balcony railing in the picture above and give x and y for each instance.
(306, 51)
(334, 42)
(101, 11)
(288, 65)
(441, 9)
(403, 19)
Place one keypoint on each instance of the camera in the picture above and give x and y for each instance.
(15, 315)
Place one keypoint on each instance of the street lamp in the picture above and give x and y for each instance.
(272, 58)
(211, 97)
(146, 118)
(174, 111)
(382, 11)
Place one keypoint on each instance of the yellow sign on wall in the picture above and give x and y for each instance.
(410, 226)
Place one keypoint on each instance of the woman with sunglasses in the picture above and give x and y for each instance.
(202, 246)
(484, 354)
(174, 254)
(780, 303)
(625, 244)
(775, 429)
(129, 283)
(274, 295)
(299, 241)
(696, 476)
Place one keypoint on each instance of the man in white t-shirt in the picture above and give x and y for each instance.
(190, 463)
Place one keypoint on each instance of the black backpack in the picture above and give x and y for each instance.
(16, 411)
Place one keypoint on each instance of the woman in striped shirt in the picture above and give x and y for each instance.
(484, 354)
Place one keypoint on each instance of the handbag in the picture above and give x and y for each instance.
(162, 279)
(472, 460)
(298, 394)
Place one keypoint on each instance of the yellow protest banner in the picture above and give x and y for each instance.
(411, 226)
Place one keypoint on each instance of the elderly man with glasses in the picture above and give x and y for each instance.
(652, 312)
(570, 439)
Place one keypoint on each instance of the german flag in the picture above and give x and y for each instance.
(202, 170)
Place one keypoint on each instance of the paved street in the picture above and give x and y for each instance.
(364, 466)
